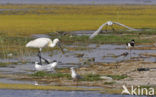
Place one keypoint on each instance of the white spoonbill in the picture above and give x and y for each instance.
(49, 67)
(42, 43)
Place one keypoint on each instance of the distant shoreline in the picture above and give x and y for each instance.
(81, 2)
(66, 4)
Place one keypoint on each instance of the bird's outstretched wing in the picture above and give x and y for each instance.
(125, 26)
(97, 31)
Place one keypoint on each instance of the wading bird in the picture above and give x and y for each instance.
(42, 43)
(49, 67)
(74, 75)
(130, 45)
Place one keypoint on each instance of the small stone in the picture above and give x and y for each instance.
(106, 78)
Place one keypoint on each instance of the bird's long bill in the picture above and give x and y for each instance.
(59, 45)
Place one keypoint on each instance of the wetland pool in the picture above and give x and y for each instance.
(106, 53)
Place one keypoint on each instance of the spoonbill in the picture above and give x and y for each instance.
(74, 75)
(42, 43)
(49, 67)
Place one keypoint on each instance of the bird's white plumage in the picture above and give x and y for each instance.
(73, 73)
(49, 67)
(109, 23)
(129, 45)
(42, 42)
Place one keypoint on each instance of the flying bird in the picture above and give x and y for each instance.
(42, 43)
(109, 23)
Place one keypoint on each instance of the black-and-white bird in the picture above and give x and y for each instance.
(74, 75)
(130, 45)
(48, 67)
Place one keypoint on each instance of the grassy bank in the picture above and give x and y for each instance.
(33, 87)
(19, 20)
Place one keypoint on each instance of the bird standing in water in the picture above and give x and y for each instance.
(130, 45)
(42, 43)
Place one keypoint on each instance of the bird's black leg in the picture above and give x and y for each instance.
(45, 60)
(130, 52)
(39, 55)
(40, 58)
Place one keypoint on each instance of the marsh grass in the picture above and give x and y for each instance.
(88, 77)
(25, 19)
(108, 38)
(91, 77)
(109, 83)
(16, 45)
(50, 75)
(3, 64)
(33, 87)
(19, 22)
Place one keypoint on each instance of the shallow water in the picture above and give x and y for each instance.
(106, 53)
(41, 93)
(8, 80)
(79, 1)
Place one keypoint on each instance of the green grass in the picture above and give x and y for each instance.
(40, 87)
(3, 64)
(50, 75)
(50, 18)
(17, 26)
(109, 83)
(117, 77)
(111, 38)
(16, 45)
(91, 77)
